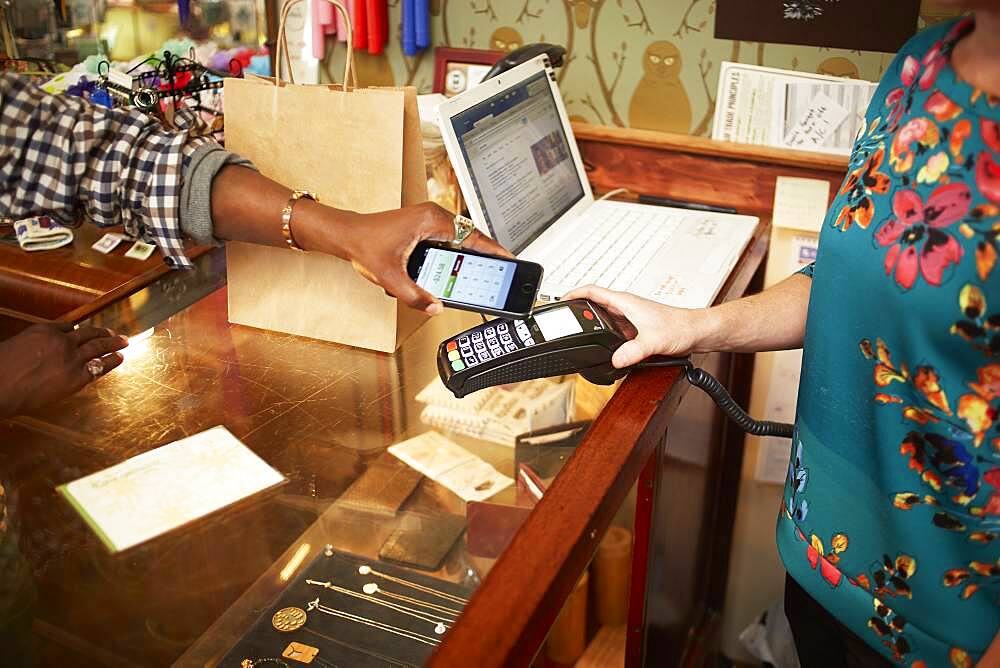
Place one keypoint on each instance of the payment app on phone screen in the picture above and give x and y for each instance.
(474, 280)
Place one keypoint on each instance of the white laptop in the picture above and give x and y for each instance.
(519, 168)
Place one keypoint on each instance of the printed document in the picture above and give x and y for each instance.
(789, 109)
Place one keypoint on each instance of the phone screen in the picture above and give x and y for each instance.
(470, 279)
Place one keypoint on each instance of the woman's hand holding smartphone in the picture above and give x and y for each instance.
(474, 281)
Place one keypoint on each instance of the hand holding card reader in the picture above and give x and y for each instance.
(567, 337)
(573, 336)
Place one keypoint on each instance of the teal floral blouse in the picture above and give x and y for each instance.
(891, 512)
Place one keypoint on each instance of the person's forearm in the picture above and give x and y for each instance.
(774, 319)
(246, 206)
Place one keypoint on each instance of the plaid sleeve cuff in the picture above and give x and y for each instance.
(165, 157)
(170, 155)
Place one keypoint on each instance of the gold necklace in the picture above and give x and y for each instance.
(371, 588)
(437, 620)
(412, 635)
(365, 569)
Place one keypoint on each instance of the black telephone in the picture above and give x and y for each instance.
(573, 336)
(526, 53)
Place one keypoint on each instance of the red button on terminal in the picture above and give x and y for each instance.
(587, 314)
(452, 345)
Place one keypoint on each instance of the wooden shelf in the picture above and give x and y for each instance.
(671, 141)
(695, 169)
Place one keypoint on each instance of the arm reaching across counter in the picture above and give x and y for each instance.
(771, 320)
(64, 157)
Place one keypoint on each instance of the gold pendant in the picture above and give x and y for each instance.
(299, 652)
(288, 619)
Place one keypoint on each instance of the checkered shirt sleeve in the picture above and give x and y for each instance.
(64, 157)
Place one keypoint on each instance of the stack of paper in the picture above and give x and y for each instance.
(499, 414)
(789, 109)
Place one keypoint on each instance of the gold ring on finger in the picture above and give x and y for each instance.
(95, 368)
(463, 229)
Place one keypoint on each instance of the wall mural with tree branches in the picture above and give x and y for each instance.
(650, 64)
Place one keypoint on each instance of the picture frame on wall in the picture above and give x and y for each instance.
(458, 70)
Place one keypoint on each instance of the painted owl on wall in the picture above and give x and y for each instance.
(506, 39)
(838, 66)
(660, 101)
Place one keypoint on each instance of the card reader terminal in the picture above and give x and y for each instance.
(573, 336)
(566, 337)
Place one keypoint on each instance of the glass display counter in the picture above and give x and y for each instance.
(323, 415)
(355, 556)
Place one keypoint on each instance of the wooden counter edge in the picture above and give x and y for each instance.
(508, 617)
(133, 285)
(682, 143)
(152, 271)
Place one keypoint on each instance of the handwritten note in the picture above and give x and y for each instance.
(800, 203)
(817, 125)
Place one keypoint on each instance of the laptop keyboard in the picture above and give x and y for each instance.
(617, 245)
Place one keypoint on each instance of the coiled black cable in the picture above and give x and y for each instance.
(720, 395)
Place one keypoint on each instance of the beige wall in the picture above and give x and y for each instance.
(618, 55)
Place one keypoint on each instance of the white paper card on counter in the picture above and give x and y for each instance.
(140, 250)
(474, 480)
(451, 465)
(800, 203)
(167, 487)
(782, 396)
(108, 242)
(815, 128)
(431, 453)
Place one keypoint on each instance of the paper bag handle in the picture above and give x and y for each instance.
(282, 46)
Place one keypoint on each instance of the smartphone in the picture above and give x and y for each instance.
(474, 281)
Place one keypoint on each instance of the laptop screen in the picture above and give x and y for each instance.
(516, 151)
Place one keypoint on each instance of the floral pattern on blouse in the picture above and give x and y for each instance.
(891, 511)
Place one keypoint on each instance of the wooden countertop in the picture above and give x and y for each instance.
(72, 283)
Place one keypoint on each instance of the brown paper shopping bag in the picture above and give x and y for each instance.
(357, 149)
